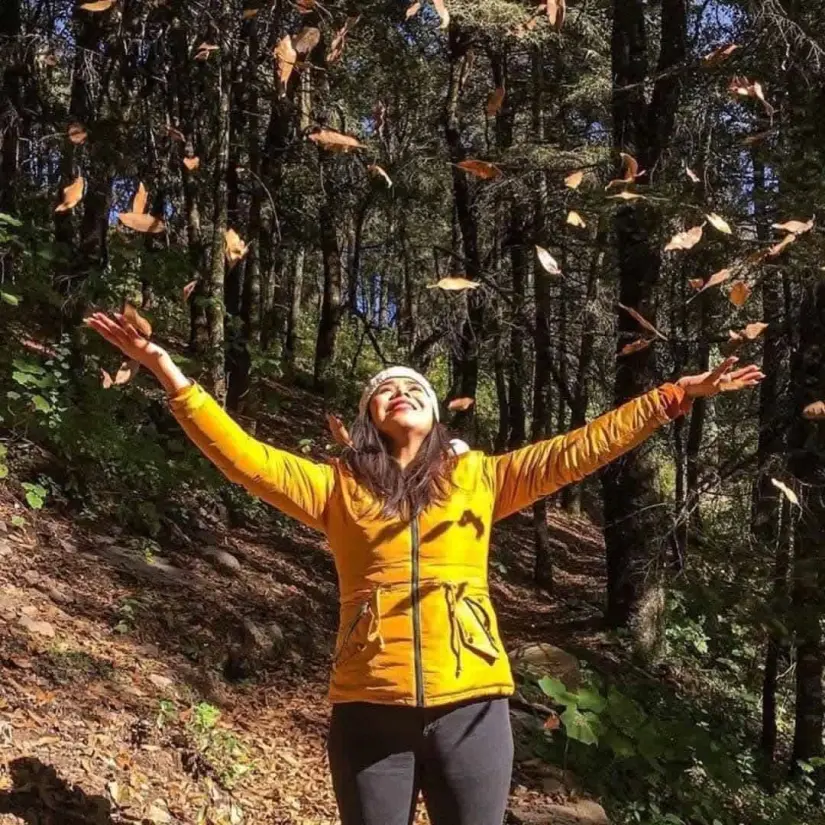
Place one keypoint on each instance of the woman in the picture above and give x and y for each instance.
(420, 679)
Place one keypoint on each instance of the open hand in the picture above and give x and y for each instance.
(123, 335)
(721, 379)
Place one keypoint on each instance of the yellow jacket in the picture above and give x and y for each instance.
(416, 624)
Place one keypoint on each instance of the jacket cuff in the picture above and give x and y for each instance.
(187, 399)
(675, 401)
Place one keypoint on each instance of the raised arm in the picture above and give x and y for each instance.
(299, 487)
(523, 476)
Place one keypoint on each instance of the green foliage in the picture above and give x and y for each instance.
(224, 751)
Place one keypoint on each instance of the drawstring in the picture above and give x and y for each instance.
(455, 631)
(374, 629)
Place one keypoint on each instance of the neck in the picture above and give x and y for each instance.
(405, 451)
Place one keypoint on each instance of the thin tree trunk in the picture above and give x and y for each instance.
(330, 317)
(296, 289)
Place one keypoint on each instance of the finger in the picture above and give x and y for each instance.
(127, 326)
(719, 371)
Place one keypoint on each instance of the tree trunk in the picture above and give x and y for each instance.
(519, 265)
(293, 319)
(13, 114)
(330, 318)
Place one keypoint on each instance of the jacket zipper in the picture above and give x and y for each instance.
(415, 598)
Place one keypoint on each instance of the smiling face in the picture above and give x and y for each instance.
(400, 408)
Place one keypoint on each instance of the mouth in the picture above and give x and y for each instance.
(400, 406)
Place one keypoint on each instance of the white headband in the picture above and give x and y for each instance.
(398, 372)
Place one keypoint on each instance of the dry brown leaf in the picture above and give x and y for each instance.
(454, 283)
(98, 5)
(285, 55)
(742, 87)
(796, 227)
(443, 13)
(306, 39)
(642, 321)
(460, 404)
(235, 248)
(692, 175)
(77, 133)
(139, 202)
(738, 339)
(249, 13)
(334, 141)
(339, 430)
(529, 25)
(575, 219)
(719, 223)
(176, 134)
(189, 289)
(547, 261)
(555, 13)
(628, 196)
(739, 293)
(778, 248)
(635, 346)
(131, 314)
(336, 49)
(72, 195)
(204, 50)
(696, 283)
(375, 169)
(480, 169)
(685, 240)
(719, 55)
(128, 370)
(305, 6)
(786, 491)
(630, 171)
(412, 10)
(192, 163)
(141, 222)
(717, 278)
(815, 411)
(756, 137)
(494, 101)
(574, 180)
(106, 379)
(552, 722)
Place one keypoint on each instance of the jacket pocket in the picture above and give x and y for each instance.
(361, 628)
(471, 624)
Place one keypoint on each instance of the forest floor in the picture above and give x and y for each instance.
(132, 689)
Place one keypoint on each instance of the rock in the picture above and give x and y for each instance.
(5, 548)
(37, 627)
(57, 594)
(163, 682)
(524, 730)
(31, 577)
(582, 812)
(4, 528)
(29, 610)
(262, 640)
(544, 659)
(158, 813)
(223, 560)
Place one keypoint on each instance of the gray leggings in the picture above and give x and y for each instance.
(459, 756)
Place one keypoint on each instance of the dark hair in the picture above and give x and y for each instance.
(400, 492)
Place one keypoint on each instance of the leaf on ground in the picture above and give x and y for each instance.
(719, 223)
(480, 169)
(795, 227)
(77, 133)
(375, 169)
(547, 261)
(552, 722)
(141, 222)
(494, 101)
(454, 283)
(786, 491)
(685, 240)
(574, 179)
(575, 219)
(131, 314)
(642, 321)
(739, 293)
(334, 141)
(460, 404)
(72, 195)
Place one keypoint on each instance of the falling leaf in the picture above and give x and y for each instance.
(336, 48)
(77, 133)
(756, 137)
(635, 346)
(377, 170)
(552, 722)
(286, 56)
(454, 283)
(412, 10)
(717, 278)
(786, 491)
(176, 134)
(306, 39)
(72, 195)
(141, 222)
(630, 171)
(719, 223)
(189, 289)
(795, 227)
(235, 248)
(685, 240)
(334, 141)
(628, 196)
(106, 379)
(494, 101)
(139, 203)
(528, 26)
(98, 5)
(778, 248)
(555, 13)
(692, 175)
(192, 163)
(815, 411)
(480, 168)
(742, 87)
(547, 261)
(441, 8)
(339, 430)
(737, 339)
(719, 55)
(127, 371)
(696, 283)
(739, 293)
(249, 13)
(575, 219)
(642, 321)
(573, 180)
(204, 50)
(306, 6)
(131, 314)
(460, 404)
